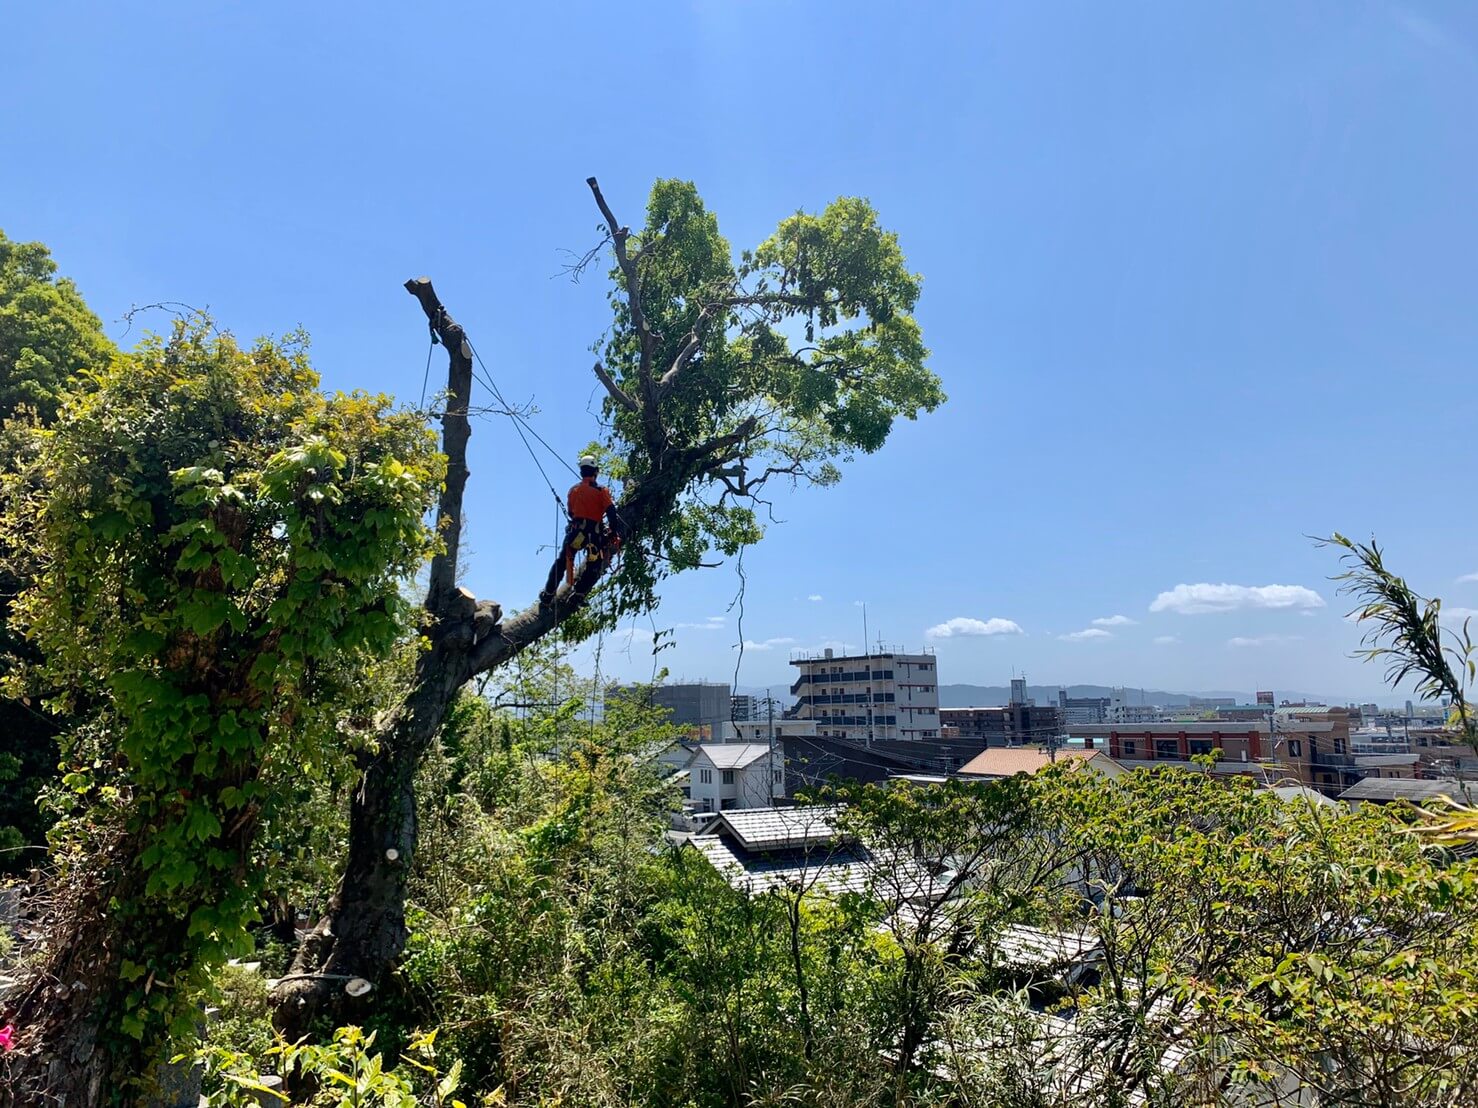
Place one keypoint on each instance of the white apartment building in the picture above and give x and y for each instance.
(886, 694)
(1121, 711)
(724, 776)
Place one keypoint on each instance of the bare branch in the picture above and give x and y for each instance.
(579, 263)
(618, 394)
(691, 344)
(632, 280)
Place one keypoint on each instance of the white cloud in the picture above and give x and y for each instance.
(1467, 578)
(1243, 642)
(814, 597)
(712, 623)
(1194, 600)
(1086, 634)
(1455, 616)
(1166, 640)
(965, 626)
(767, 644)
(1114, 621)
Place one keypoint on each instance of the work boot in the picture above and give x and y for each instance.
(545, 596)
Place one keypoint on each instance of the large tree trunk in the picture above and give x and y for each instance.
(364, 932)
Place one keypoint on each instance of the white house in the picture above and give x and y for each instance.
(722, 776)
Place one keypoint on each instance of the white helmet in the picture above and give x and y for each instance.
(589, 460)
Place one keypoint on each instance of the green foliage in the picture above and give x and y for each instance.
(1405, 630)
(49, 341)
(347, 1071)
(48, 336)
(802, 351)
(219, 549)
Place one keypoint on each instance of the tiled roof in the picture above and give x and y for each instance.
(1400, 788)
(844, 869)
(778, 828)
(1032, 947)
(732, 755)
(1006, 761)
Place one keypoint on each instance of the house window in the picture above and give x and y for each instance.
(1129, 748)
(778, 777)
(1295, 748)
(728, 777)
(705, 776)
(1200, 746)
(1167, 748)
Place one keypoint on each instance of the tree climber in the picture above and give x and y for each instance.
(591, 509)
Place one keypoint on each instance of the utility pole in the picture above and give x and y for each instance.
(770, 708)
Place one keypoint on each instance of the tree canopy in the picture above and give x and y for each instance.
(48, 335)
(772, 365)
(49, 341)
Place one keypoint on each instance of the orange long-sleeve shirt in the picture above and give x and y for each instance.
(588, 500)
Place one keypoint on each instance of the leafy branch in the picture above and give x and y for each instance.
(1405, 630)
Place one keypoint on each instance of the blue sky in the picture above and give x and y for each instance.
(1199, 280)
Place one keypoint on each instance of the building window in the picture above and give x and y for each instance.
(1295, 748)
(1200, 746)
(1129, 748)
(778, 777)
(728, 777)
(705, 776)
(1167, 748)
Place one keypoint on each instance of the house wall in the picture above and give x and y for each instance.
(756, 785)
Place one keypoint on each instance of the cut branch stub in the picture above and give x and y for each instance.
(456, 429)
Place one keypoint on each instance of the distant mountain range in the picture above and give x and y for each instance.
(968, 696)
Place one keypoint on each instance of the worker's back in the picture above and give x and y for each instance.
(588, 500)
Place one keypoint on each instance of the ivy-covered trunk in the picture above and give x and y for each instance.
(111, 945)
(219, 549)
(66, 1006)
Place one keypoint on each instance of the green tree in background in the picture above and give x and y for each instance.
(48, 335)
(49, 340)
